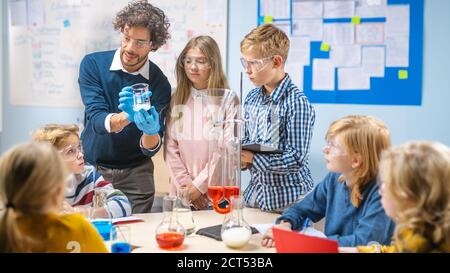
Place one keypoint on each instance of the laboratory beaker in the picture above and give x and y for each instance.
(141, 97)
(183, 210)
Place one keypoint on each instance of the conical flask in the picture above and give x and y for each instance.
(170, 233)
(236, 232)
(224, 164)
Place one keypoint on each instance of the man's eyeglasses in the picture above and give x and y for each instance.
(71, 152)
(201, 63)
(139, 43)
(255, 65)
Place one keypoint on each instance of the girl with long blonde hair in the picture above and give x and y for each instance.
(415, 188)
(32, 187)
(199, 70)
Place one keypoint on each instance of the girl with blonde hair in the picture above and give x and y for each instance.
(348, 196)
(415, 188)
(199, 69)
(32, 187)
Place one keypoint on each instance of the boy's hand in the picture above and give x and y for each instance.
(246, 158)
(267, 239)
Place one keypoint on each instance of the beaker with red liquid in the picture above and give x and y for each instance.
(170, 233)
(224, 163)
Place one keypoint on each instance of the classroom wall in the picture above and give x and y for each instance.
(430, 121)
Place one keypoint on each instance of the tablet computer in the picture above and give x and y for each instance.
(261, 148)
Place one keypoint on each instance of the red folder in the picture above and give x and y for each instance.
(287, 241)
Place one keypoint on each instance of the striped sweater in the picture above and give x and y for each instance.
(80, 191)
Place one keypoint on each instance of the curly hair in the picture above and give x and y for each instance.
(142, 14)
(55, 134)
(417, 176)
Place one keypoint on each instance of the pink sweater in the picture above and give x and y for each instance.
(187, 146)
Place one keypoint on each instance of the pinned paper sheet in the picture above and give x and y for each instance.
(311, 28)
(339, 33)
(397, 51)
(323, 75)
(300, 50)
(353, 79)
(339, 9)
(403, 74)
(346, 56)
(309, 9)
(370, 34)
(397, 21)
(373, 60)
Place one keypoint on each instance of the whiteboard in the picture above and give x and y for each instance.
(1, 67)
(47, 48)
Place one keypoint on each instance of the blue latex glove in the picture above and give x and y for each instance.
(126, 102)
(147, 122)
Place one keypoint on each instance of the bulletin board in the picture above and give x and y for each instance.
(352, 51)
(49, 38)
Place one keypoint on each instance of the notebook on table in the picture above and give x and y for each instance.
(287, 241)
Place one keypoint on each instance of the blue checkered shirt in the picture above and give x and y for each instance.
(283, 120)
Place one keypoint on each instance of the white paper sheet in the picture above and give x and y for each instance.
(353, 79)
(295, 71)
(286, 27)
(397, 20)
(346, 56)
(276, 8)
(213, 12)
(308, 9)
(369, 34)
(338, 33)
(339, 9)
(262, 228)
(300, 50)
(313, 232)
(18, 13)
(35, 13)
(372, 3)
(373, 60)
(371, 11)
(397, 51)
(313, 28)
(323, 75)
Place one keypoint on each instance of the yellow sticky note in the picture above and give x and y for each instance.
(268, 19)
(403, 74)
(356, 20)
(325, 47)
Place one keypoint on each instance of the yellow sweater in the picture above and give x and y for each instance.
(408, 242)
(62, 233)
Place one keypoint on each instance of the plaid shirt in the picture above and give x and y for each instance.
(283, 120)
